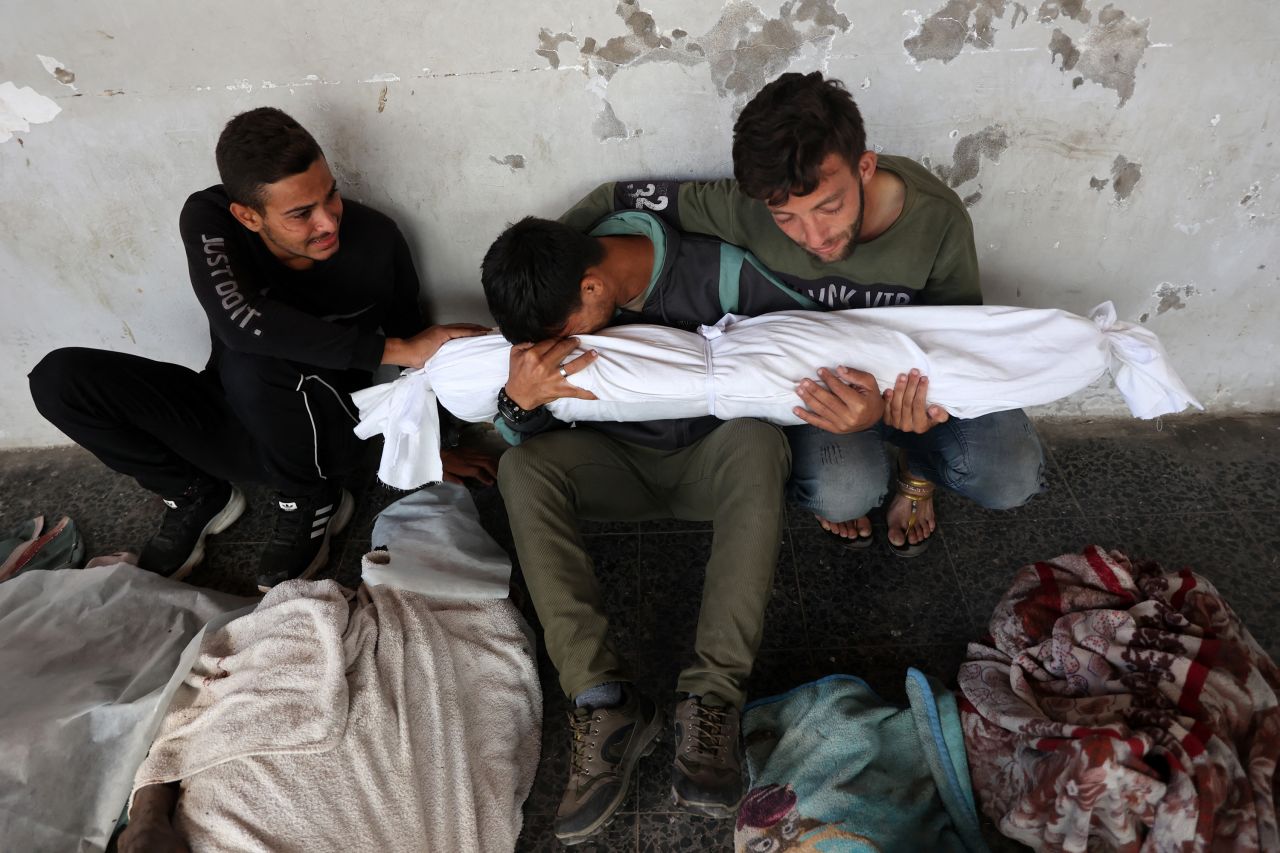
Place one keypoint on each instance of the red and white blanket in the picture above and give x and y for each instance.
(1119, 706)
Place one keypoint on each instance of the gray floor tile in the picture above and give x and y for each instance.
(1133, 475)
(676, 833)
(987, 554)
(874, 597)
(617, 837)
(229, 567)
(884, 668)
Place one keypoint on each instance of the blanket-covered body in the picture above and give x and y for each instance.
(390, 722)
(1122, 707)
(979, 359)
(836, 769)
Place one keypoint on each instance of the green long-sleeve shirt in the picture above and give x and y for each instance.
(926, 256)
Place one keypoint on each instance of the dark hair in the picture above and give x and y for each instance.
(782, 136)
(532, 277)
(261, 147)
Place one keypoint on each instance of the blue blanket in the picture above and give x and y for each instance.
(835, 768)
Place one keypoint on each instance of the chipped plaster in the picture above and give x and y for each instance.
(989, 143)
(1124, 177)
(22, 107)
(743, 50)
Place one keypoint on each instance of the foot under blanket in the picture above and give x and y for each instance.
(388, 723)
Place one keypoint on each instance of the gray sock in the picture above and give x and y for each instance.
(607, 695)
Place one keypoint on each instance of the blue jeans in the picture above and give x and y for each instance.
(995, 461)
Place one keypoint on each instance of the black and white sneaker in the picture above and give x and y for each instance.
(178, 547)
(299, 546)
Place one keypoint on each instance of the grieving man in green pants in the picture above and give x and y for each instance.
(732, 473)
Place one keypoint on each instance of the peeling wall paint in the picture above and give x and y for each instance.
(987, 143)
(22, 107)
(945, 33)
(513, 161)
(1106, 149)
(60, 72)
(1124, 177)
(743, 50)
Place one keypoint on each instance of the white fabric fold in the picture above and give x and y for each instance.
(404, 412)
(979, 359)
(432, 543)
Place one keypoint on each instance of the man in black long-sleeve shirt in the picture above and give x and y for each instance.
(306, 294)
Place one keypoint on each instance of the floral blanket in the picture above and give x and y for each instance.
(1119, 706)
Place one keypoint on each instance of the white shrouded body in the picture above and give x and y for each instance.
(979, 359)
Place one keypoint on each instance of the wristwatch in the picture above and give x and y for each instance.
(510, 411)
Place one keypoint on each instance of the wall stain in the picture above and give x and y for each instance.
(1252, 194)
(743, 50)
(382, 99)
(972, 199)
(1171, 296)
(514, 161)
(550, 44)
(1051, 9)
(1060, 44)
(60, 72)
(607, 125)
(990, 142)
(1098, 184)
(1124, 177)
(945, 33)
(1108, 54)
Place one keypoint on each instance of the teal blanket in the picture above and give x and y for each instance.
(835, 768)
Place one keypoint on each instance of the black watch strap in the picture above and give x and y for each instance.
(511, 412)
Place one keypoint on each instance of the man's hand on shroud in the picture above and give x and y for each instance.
(906, 405)
(537, 375)
(842, 401)
(416, 351)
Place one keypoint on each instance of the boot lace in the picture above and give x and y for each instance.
(582, 748)
(707, 735)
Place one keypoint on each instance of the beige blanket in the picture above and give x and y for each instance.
(388, 722)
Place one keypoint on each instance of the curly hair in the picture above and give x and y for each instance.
(782, 136)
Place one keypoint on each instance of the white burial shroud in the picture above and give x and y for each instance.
(979, 359)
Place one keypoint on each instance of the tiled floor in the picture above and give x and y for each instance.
(1195, 492)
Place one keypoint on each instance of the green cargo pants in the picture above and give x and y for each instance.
(734, 477)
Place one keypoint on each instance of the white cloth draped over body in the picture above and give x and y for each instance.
(979, 359)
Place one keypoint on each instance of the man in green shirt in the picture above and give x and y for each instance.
(851, 229)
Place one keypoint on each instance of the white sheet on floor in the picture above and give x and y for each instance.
(395, 723)
(87, 658)
(435, 546)
(979, 359)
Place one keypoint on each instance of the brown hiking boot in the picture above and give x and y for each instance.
(607, 743)
(706, 777)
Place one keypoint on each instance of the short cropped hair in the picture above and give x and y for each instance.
(782, 136)
(532, 277)
(260, 147)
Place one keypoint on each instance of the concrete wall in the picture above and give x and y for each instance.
(1107, 152)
